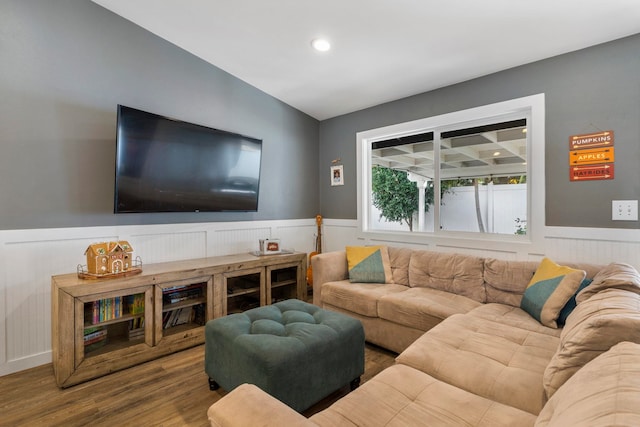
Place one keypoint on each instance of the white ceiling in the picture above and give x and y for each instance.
(382, 49)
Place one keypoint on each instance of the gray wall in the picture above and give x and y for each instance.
(66, 64)
(593, 89)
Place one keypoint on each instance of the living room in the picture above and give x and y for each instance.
(67, 65)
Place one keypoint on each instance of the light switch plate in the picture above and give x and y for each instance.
(624, 210)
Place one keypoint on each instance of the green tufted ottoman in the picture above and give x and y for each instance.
(295, 351)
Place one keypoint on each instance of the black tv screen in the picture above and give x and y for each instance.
(168, 165)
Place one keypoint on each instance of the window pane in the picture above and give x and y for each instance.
(483, 178)
(401, 181)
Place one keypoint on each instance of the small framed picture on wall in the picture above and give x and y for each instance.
(337, 175)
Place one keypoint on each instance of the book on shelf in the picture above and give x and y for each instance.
(199, 314)
(184, 287)
(183, 293)
(94, 338)
(96, 345)
(136, 334)
(171, 317)
(182, 296)
(136, 328)
(184, 315)
(106, 309)
(135, 304)
(136, 323)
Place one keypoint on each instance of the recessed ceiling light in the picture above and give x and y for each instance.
(496, 153)
(321, 45)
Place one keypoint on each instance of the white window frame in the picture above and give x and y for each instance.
(532, 107)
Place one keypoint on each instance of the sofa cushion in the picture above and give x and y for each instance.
(549, 290)
(607, 318)
(369, 264)
(400, 258)
(403, 396)
(603, 393)
(513, 317)
(614, 275)
(327, 267)
(506, 281)
(422, 308)
(450, 272)
(361, 298)
(234, 410)
(487, 358)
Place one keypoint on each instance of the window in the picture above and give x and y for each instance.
(472, 174)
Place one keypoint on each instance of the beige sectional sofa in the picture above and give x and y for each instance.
(469, 355)
(427, 288)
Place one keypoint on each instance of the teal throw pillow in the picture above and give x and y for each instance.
(571, 304)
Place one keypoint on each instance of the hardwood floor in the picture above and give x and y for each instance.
(170, 391)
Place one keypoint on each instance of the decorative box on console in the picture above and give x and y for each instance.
(270, 246)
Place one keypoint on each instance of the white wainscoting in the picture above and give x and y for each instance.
(28, 259)
(563, 244)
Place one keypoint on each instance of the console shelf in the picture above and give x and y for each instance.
(101, 326)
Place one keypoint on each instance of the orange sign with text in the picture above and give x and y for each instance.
(592, 140)
(591, 172)
(590, 157)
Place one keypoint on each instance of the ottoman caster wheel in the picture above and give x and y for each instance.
(213, 386)
(354, 384)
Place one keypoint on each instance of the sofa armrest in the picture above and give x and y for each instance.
(247, 405)
(328, 267)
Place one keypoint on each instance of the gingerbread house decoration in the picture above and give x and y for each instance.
(109, 257)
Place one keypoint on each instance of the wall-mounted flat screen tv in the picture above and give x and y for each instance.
(168, 165)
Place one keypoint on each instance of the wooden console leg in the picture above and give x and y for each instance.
(213, 386)
(354, 384)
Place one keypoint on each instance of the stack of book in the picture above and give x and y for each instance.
(185, 298)
(136, 328)
(182, 293)
(94, 338)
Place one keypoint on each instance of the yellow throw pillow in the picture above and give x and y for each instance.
(549, 290)
(369, 264)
